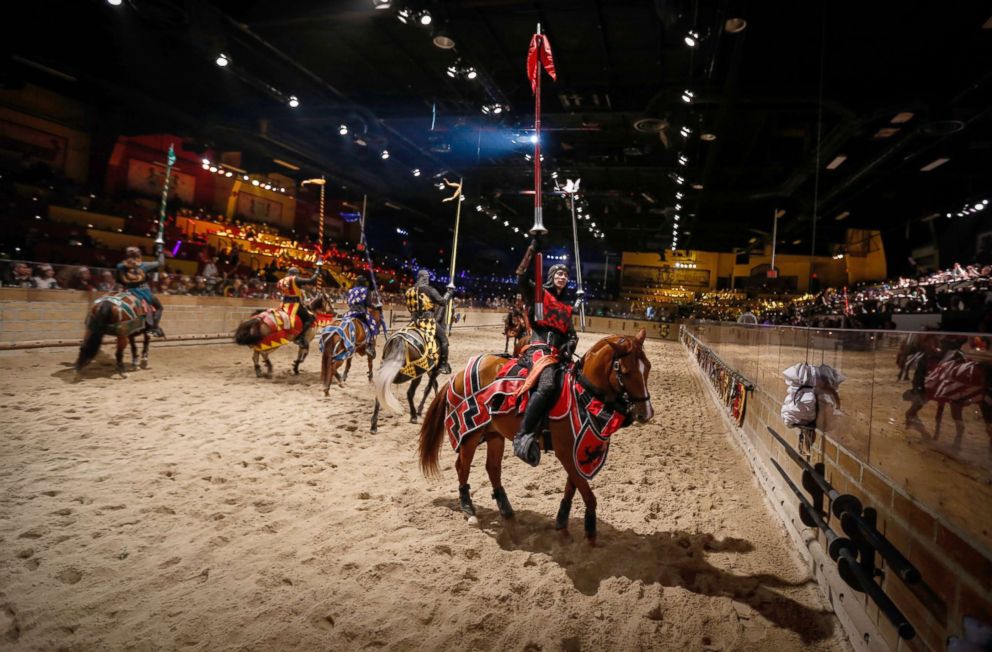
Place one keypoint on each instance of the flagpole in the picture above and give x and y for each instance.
(160, 240)
(537, 230)
(449, 309)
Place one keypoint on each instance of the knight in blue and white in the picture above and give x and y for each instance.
(361, 300)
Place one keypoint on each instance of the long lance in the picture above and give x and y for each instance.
(449, 310)
(579, 292)
(160, 240)
(368, 260)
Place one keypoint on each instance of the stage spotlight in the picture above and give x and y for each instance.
(114, 3)
(471, 73)
(382, 4)
(385, 154)
(222, 60)
(497, 109)
(687, 96)
(293, 102)
(452, 71)
(424, 18)
(686, 132)
(416, 172)
(405, 16)
(692, 39)
(679, 195)
(533, 138)
(734, 25)
(442, 39)
(343, 130)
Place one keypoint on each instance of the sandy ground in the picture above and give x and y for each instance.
(191, 505)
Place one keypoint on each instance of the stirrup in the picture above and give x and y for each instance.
(526, 448)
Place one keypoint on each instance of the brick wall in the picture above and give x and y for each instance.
(955, 568)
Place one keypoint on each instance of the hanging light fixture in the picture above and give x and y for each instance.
(442, 39)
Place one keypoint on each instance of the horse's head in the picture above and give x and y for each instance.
(623, 369)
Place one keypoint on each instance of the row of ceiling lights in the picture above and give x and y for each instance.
(225, 171)
(692, 39)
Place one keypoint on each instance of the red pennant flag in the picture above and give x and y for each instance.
(540, 48)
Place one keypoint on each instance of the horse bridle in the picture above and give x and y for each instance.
(625, 400)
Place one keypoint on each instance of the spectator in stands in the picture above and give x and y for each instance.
(107, 282)
(210, 269)
(45, 278)
(199, 287)
(75, 278)
(22, 276)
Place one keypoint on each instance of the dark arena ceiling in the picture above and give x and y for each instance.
(890, 86)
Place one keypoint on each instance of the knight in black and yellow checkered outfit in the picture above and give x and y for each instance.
(426, 306)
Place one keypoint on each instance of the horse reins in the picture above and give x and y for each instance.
(625, 401)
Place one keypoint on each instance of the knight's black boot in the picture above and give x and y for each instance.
(301, 339)
(442, 359)
(154, 328)
(525, 447)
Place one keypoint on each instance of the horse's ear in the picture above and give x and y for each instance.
(641, 334)
(620, 346)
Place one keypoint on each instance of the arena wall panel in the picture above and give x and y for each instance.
(949, 549)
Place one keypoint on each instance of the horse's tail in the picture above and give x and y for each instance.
(249, 332)
(432, 433)
(392, 362)
(98, 320)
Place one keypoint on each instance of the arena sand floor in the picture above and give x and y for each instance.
(192, 505)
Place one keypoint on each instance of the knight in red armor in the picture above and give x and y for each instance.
(552, 344)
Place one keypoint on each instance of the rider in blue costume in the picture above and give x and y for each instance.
(132, 273)
(360, 300)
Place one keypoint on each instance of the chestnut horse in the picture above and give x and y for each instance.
(341, 341)
(515, 325)
(614, 370)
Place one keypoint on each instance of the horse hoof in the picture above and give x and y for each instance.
(327, 392)
(413, 419)
(591, 541)
(144, 364)
(373, 430)
(473, 520)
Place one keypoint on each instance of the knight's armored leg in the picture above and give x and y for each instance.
(306, 319)
(370, 329)
(442, 345)
(155, 318)
(525, 444)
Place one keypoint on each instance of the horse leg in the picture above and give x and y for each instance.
(301, 356)
(494, 467)
(375, 418)
(463, 464)
(958, 416)
(268, 364)
(431, 383)
(145, 341)
(565, 507)
(119, 355)
(254, 360)
(409, 398)
(132, 341)
(937, 418)
(347, 368)
(370, 358)
(563, 451)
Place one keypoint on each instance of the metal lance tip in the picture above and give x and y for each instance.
(538, 228)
